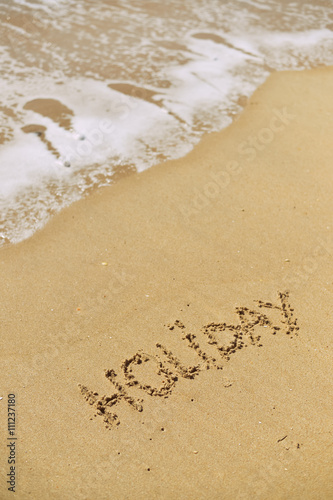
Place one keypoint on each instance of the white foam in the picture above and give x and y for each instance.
(204, 80)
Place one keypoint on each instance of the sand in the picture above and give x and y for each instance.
(171, 336)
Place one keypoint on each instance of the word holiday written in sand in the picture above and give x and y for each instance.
(170, 368)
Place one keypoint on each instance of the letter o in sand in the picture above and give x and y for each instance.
(168, 378)
(266, 135)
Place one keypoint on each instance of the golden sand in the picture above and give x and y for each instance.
(171, 336)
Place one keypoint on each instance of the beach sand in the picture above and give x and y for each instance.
(179, 256)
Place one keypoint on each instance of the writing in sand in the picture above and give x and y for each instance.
(170, 369)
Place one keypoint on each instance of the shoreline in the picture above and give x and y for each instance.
(67, 122)
(148, 279)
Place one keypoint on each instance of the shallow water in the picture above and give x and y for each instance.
(93, 90)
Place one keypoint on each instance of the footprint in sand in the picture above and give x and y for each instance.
(53, 109)
(155, 97)
(40, 130)
(57, 112)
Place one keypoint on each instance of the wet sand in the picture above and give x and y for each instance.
(171, 336)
